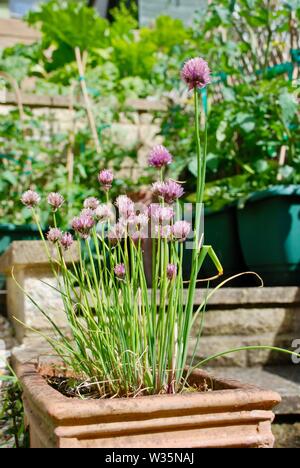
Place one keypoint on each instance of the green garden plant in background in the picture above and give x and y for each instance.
(254, 113)
(12, 426)
(252, 123)
(119, 65)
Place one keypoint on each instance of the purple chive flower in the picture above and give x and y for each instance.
(83, 225)
(137, 226)
(157, 188)
(91, 203)
(125, 206)
(56, 200)
(164, 232)
(171, 271)
(120, 271)
(181, 230)
(106, 178)
(103, 213)
(116, 233)
(30, 199)
(87, 212)
(66, 240)
(54, 235)
(130, 221)
(169, 190)
(140, 220)
(159, 157)
(161, 214)
(196, 73)
(138, 235)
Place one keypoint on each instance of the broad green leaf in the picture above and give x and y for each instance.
(261, 165)
(242, 117)
(248, 126)
(288, 104)
(286, 171)
(9, 177)
(212, 161)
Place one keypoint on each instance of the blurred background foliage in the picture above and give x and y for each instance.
(252, 107)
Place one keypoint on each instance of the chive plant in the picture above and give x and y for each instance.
(125, 339)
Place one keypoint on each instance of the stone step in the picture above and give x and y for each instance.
(237, 297)
(250, 321)
(283, 379)
(212, 345)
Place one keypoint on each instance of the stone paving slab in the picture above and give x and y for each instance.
(282, 379)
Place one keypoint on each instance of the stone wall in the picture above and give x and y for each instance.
(135, 129)
(31, 287)
(249, 317)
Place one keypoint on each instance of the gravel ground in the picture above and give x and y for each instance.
(287, 435)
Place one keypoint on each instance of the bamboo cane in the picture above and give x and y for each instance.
(70, 152)
(281, 161)
(81, 60)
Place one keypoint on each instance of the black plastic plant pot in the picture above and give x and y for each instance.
(269, 230)
(220, 231)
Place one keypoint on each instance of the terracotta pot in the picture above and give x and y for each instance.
(232, 415)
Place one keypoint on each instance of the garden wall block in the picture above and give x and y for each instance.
(248, 317)
(237, 297)
(211, 345)
(130, 135)
(256, 321)
(27, 267)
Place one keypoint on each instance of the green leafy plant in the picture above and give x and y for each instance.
(254, 121)
(254, 115)
(12, 428)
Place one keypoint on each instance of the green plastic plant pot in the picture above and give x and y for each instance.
(220, 231)
(269, 230)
